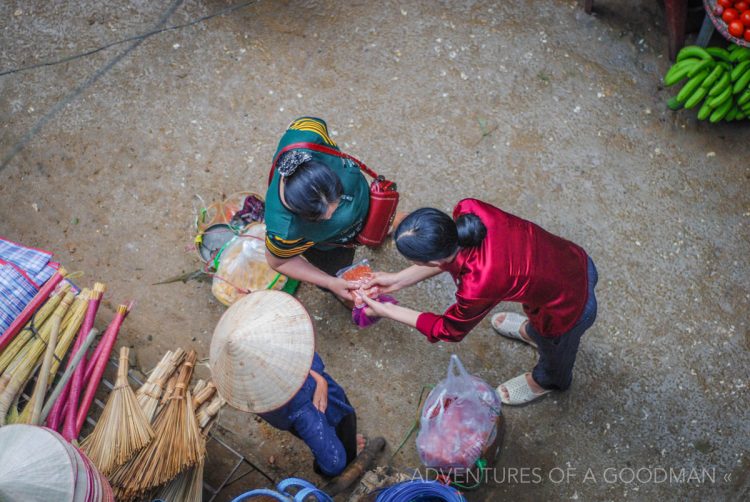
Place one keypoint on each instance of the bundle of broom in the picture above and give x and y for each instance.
(150, 392)
(188, 485)
(123, 427)
(57, 347)
(32, 327)
(62, 404)
(22, 367)
(177, 443)
(34, 305)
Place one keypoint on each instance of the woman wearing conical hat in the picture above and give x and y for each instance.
(263, 361)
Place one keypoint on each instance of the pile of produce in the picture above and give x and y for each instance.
(719, 78)
(736, 16)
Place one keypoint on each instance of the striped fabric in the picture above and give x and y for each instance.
(313, 125)
(23, 271)
(30, 260)
(16, 291)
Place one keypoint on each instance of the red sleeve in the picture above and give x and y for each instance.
(456, 322)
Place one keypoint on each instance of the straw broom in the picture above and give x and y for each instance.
(107, 343)
(177, 444)
(150, 392)
(188, 485)
(27, 363)
(169, 391)
(35, 324)
(122, 429)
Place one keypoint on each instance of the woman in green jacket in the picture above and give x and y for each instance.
(316, 204)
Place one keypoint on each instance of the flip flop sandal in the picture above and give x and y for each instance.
(511, 326)
(519, 391)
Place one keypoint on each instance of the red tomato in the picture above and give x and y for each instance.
(725, 3)
(736, 28)
(730, 15)
(747, 34)
(741, 6)
(745, 18)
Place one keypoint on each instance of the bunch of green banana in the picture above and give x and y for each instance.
(718, 77)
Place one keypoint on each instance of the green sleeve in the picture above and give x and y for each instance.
(286, 248)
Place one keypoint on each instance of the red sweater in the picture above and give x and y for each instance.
(517, 261)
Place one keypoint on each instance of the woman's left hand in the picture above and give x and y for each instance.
(374, 308)
(320, 396)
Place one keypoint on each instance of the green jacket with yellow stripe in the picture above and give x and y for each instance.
(288, 235)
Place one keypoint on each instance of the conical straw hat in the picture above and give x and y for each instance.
(262, 351)
(34, 465)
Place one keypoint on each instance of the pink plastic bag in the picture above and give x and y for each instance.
(458, 420)
(361, 319)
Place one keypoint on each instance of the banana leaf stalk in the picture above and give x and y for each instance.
(34, 305)
(109, 338)
(72, 391)
(25, 367)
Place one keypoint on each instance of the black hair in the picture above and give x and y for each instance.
(310, 189)
(429, 234)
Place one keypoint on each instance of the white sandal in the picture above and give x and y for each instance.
(519, 391)
(511, 326)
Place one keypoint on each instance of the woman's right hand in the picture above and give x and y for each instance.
(387, 282)
(342, 288)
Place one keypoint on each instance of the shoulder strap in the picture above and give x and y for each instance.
(322, 149)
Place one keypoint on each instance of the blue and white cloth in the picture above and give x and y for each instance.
(23, 271)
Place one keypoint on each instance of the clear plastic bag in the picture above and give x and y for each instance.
(458, 420)
(243, 267)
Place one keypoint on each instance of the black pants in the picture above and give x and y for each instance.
(330, 261)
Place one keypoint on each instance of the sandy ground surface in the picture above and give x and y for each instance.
(551, 114)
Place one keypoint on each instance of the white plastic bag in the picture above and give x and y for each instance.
(243, 267)
(458, 420)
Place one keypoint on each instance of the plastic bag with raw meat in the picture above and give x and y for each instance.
(458, 420)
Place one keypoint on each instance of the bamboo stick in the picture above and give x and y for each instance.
(40, 388)
(67, 375)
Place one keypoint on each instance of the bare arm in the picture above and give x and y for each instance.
(390, 282)
(302, 270)
(391, 311)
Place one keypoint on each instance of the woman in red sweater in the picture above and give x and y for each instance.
(494, 257)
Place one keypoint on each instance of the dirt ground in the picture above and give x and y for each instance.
(535, 107)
